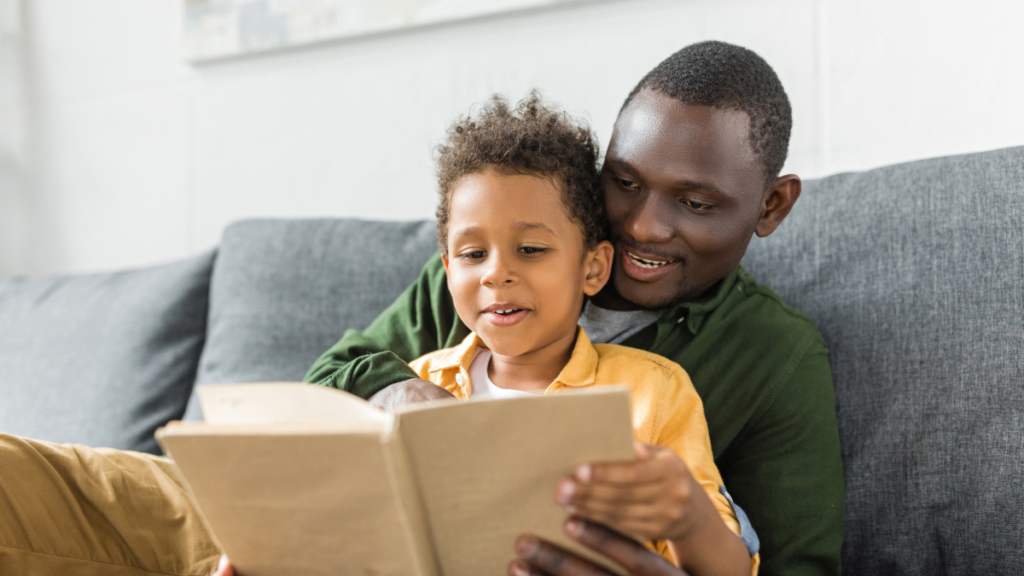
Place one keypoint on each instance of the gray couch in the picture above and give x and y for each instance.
(914, 274)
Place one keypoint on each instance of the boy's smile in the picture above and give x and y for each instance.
(518, 271)
(505, 313)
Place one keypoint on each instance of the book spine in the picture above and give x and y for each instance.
(406, 489)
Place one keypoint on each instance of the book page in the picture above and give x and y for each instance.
(301, 503)
(270, 402)
(487, 470)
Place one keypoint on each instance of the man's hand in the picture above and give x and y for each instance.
(540, 558)
(654, 497)
(408, 391)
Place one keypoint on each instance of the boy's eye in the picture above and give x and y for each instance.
(698, 206)
(627, 184)
(531, 250)
(474, 255)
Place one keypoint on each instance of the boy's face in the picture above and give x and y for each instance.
(517, 267)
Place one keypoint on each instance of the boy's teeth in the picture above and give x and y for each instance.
(649, 264)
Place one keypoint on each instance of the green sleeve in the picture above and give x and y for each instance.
(421, 320)
(787, 474)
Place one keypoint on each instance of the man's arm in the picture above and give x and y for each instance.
(421, 320)
(787, 473)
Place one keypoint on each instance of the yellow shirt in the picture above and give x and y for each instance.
(666, 408)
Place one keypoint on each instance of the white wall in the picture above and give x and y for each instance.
(115, 152)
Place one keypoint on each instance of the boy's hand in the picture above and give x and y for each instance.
(654, 497)
(224, 568)
(409, 391)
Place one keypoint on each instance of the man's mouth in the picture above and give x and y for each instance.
(647, 263)
(645, 268)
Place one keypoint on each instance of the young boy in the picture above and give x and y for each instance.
(522, 233)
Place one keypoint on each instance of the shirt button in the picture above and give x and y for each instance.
(459, 379)
(681, 318)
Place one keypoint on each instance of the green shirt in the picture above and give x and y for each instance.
(760, 367)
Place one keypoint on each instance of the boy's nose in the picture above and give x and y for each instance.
(498, 274)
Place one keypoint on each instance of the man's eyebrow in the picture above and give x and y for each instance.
(533, 226)
(684, 183)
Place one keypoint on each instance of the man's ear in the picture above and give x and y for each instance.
(598, 267)
(778, 201)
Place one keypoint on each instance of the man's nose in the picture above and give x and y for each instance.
(649, 222)
(499, 273)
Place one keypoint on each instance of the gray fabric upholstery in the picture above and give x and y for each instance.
(102, 359)
(284, 291)
(915, 275)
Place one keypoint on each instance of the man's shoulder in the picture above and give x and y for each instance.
(763, 312)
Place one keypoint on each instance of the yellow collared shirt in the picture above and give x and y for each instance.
(666, 409)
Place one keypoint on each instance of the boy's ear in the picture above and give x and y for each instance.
(598, 267)
(444, 260)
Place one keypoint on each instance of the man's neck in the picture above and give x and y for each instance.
(609, 299)
(535, 370)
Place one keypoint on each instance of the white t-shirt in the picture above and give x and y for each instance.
(481, 382)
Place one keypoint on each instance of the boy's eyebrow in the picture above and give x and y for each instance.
(533, 226)
(680, 183)
(476, 230)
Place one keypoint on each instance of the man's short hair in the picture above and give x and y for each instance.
(729, 77)
(531, 138)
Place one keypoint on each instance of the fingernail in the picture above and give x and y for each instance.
(525, 546)
(518, 570)
(574, 527)
(566, 489)
(583, 472)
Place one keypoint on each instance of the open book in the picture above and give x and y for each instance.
(296, 479)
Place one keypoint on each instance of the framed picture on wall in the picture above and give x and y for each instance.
(223, 28)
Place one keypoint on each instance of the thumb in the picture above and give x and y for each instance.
(224, 567)
(642, 451)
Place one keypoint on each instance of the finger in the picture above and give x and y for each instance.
(547, 558)
(625, 551)
(224, 567)
(604, 511)
(519, 567)
(572, 492)
(652, 470)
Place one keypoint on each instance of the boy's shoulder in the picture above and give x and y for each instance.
(629, 365)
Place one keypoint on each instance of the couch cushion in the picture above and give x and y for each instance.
(915, 275)
(284, 291)
(101, 359)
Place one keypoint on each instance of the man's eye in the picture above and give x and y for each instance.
(474, 255)
(531, 250)
(698, 206)
(627, 184)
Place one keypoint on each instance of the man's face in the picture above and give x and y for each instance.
(517, 267)
(684, 193)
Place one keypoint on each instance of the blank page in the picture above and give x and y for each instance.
(487, 470)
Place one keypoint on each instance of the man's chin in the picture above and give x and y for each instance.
(648, 295)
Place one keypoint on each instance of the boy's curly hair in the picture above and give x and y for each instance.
(531, 138)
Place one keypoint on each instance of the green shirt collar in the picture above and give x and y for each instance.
(696, 311)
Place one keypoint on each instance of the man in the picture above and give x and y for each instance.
(691, 174)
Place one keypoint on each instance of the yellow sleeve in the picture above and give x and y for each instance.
(669, 412)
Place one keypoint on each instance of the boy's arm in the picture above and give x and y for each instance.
(421, 320)
(786, 472)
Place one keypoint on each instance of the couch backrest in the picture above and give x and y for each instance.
(915, 275)
(284, 291)
(101, 359)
